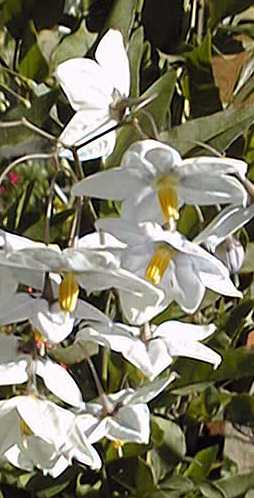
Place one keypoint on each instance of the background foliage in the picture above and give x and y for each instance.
(196, 56)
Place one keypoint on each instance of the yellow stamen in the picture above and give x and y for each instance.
(25, 429)
(40, 342)
(168, 199)
(25, 432)
(117, 444)
(159, 263)
(68, 293)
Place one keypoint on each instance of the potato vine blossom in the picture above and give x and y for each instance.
(152, 348)
(97, 91)
(170, 261)
(81, 266)
(154, 181)
(122, 416)
(37, 433)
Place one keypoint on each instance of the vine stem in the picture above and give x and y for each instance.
(27, 124)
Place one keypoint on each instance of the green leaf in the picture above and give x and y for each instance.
(133, 474)
(240, 410)
(218, 130)
(47, 487)
(37, 230)
(158, 109)
(223, 8)
(19, 140)
(87, 490)
(236, 486)
(32, 63)
(237, 318)
(121, 16)
(210, 491)
(236, 364)
(74, 45)
(172, 442)
(202, 464)
(135, 51)
(189, 222)
(144, 479)
(203, 93)
(175, 483)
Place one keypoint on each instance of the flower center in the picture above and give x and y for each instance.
(168, 198)
(118, 106)
(68, 292)
(159, 263)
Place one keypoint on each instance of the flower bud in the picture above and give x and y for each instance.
(231, 253)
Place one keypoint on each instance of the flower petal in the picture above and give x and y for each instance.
(112, 57)
(54, 324)
(86, 125)
(224, 224)
(131, 423)
(85, 83)
(18, 308)
(206, 188)
(149, 391)
(181, 281)
(116, 184)
(219, 165)
(14, 372)
(159, 356)
(174, 329)
(45, 419)
(59, 382)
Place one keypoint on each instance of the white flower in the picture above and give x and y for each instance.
(97, 91)
(139, 306)
(153, 181)
(18, 366)
(167, 259)
(38, 433)
(88, 265)
(123, 416)
(151, 349)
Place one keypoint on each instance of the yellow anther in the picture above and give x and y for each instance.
(25, 429)
(25, 432)
(117, 444)
(68, 292)
(159, 263)
(168, 199)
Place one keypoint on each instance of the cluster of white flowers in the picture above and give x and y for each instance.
(141, 256)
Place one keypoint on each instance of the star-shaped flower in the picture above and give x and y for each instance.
(152, 348)
(37, 433)
(91, 267)
(123, 415)
(167, 259)
(154, 181)
(97, 91)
